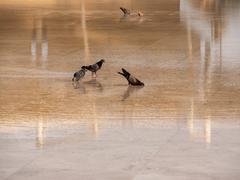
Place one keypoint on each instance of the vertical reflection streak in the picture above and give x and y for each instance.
(189, 38)
(191, 119)
(95, 120)
(220, 45)
(85, 35)
(39, 41)
(40, 137)
(86, 61)
(207, 64)
(44, 46)
(34, 45)
(208, 130)
(201, 74)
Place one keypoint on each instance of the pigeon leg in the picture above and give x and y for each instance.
(94, 74)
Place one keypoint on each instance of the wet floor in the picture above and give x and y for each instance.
(185, 122)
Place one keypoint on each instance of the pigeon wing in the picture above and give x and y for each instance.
(134, 81)
(138, 82)
(95, 67)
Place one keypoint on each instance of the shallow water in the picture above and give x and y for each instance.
(185, 122)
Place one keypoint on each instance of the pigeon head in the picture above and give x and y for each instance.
(102, 60)
(84, 69)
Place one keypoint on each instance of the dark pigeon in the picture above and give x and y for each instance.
(79, 74)
(131, 79)
(125, 11)
(94, 67)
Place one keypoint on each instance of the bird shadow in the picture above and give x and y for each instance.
(129, 91)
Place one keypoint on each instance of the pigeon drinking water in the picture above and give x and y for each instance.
(79, 74)
(94, 67)
(127, 12)
(131, 79)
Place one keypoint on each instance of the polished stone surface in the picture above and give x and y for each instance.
(183, 125)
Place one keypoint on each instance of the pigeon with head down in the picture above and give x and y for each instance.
(130, 78)
(79, 74)
(127, 12)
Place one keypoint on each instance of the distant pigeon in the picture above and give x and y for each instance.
(140, 13)
(131, 79)
(94, 67)
(127, 12)
(79, 74)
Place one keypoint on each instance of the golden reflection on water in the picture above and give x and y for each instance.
(208, 130)
(186, 54)
(39, 43)
(84, 30)
(40, 134)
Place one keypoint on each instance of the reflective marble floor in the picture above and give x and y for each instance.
(183, 125)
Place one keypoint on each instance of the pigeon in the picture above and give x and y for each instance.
(94, 67)
(79, 74)
(140, 13)
(131, 79)
(127, 12)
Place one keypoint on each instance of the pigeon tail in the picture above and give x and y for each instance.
(121, 74)
(124, 75)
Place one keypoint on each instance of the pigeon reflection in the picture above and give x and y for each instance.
(80, 86)
(130, 90)
(85, 86)
(137, 19)
(94, 84)
(131, 16)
